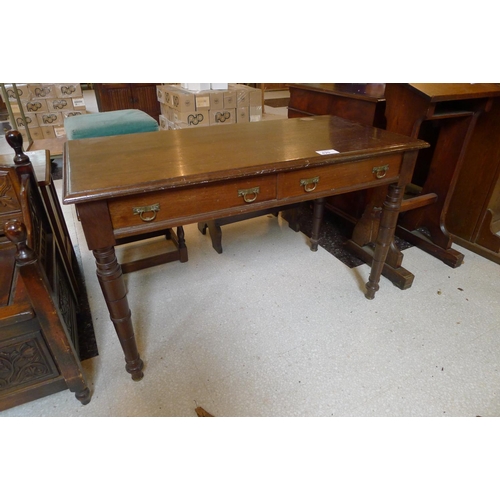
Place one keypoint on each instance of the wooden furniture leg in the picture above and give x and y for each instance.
(215, 231)
(113, 287)
(318, 211)
(385, 236)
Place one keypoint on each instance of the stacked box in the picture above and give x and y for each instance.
(45, 106)
(185, 108)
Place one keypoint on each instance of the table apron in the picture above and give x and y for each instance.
(148, 212)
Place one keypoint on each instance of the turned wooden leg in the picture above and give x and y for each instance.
(113, 287)
(318, 210)
(183, 255)
(385, 236)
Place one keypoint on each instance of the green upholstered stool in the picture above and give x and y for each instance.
(123, 121)
(127, 121)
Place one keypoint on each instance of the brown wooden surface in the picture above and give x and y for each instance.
(362, 103)
(474, 213)
(446, 116)
(115, 96)
(206, 166)
(438, 92)
(106, 167)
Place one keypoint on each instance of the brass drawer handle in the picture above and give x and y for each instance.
(309, 184)
(246, 192)
(380, 172)
(140, 211)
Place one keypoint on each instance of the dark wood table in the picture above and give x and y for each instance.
(136, 184)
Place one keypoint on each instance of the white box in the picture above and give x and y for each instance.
(195, 86)
(219, 86)
(79, 104)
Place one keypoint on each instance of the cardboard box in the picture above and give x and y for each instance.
(163, 122)
(68, 90)
(71, 112)
(242, 95)
(183, 101)
(22, 90)
(59, 132)
(242, 115)
(48, 132)
(255, 113)
(255, 97)
(167, 91)
(167, 112)
(49, 119)
(195, 86)
(197, 118)
(35, 106)
(202, 100)
(42, 90)
(216, 99)
(31, 120)
(222, 117)
(79, 104)
(230, 99)
(56, 105)
(36, 133)
(162, 94)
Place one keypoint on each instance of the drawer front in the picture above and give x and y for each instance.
(179, 203)
(331, 178)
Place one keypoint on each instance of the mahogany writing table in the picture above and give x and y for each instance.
(136, 184)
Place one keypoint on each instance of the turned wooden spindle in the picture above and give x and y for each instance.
(15, 140)
(17, 233)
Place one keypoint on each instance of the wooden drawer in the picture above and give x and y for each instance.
(185, 202)
(332, 178)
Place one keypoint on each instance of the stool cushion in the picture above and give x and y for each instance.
(123, 121)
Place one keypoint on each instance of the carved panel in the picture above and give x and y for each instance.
(8, 198)
(23, 362)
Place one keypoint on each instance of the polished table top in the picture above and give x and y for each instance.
(107, 167)
(437, 92)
